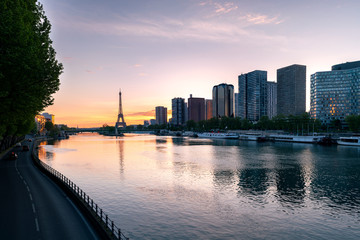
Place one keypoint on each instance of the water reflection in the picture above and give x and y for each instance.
(44, 153)
(290, 186)
(217, 189)
(120, 142)
(253, 181)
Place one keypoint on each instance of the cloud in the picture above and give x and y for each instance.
(150, 113)
(261, 19)
(137, 65)
(232, 28)
(67, 59)
(167, 29)
(220, 8)
(225, 8)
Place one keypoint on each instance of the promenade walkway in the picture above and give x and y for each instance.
(33, 207)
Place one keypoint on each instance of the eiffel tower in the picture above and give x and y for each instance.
(120, 116)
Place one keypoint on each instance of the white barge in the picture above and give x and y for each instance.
(349, 141)
(218, 135)
(296, 139)
(252, 137)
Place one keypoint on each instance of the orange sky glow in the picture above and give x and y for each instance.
(157, 51)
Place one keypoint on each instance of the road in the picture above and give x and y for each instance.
(33, 207)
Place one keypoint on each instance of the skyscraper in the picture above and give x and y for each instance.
(272, 99)
(223, 100)
(335, 94)
(179, 109)
(291, 90)
(196, 108)
(161, 115)
(236, 97)
(253, 95)
(208, 109)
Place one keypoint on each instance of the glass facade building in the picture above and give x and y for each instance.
(236, 104)
(253, 95)
(272, 99)
(161, 115)
(223, 100)
(178, 107)
(196, 109)
(335, 94)
(291, 90)
(208, 109)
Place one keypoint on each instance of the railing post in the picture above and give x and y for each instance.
(85, 198)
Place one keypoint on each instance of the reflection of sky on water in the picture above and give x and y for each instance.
(209, 187)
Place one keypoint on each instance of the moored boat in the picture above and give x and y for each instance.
(349, 141)
(218, 135)
(252, 137)
(297, 139)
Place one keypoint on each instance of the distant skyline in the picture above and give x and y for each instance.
(157, 50)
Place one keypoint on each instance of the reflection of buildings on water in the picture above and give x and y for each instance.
(178, 141)
(265, 171)
(161, 143)
(253, 180)
(224, 178)
(290, 185)
(338, 180)
(43, 154)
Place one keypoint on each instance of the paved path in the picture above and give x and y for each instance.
(33, 207)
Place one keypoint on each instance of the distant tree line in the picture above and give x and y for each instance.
(354, 122)
(29, 72)
(299, 124)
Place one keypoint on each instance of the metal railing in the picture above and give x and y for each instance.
(101, 216)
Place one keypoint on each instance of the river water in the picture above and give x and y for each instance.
(159, 187)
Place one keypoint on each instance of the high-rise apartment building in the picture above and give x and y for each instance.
(49, 117)
(236, 98)
(291, 90)
(272, 99)
(223, 100)
(161, 115)
(196, 109)
(335, 94)
(179, 109)
(253, 95)
(208, 109)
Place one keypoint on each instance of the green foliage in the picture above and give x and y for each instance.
(107, 128)
(29, 72)
(191, 125)
(354, 122)
(300, 124)
(49, 126)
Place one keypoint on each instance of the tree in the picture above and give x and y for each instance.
(29, 71)
(190, 125)
(354, 122)
(49, 126)
(264, 123)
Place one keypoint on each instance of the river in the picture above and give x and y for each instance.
(159, 187)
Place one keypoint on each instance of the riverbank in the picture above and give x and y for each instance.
(161, 187)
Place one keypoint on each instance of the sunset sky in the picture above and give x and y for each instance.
(160, 49)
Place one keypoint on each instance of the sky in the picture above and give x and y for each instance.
(161, 49)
